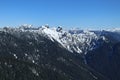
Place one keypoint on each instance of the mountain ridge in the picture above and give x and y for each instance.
(67, 54)
(30, 56)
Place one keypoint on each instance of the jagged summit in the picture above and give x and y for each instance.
(79, 41)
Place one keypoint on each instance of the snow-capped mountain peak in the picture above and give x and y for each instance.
(71, 40)
(79, 43)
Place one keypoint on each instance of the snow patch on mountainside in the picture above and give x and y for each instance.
(79, 43)
(74, 41)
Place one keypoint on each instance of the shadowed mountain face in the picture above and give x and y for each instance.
(30, 56)
(106, 58)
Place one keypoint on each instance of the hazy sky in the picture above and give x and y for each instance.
(67, 13)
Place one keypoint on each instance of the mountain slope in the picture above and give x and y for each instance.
(106, 58)
(32, 55)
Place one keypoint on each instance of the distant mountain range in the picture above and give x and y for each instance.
(44, 53)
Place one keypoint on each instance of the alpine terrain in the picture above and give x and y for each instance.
(44, 53)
